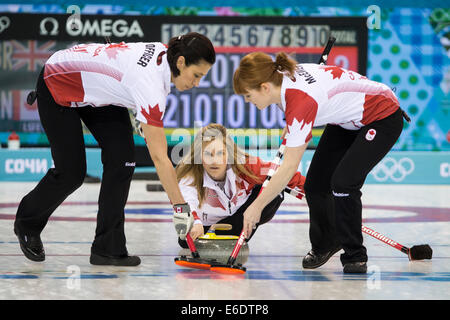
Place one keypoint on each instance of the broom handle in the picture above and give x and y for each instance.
(326, 51)
(276, 163)
(385, 239)
(237, 248)
(192, 247)
(294, 193)
(365, 229)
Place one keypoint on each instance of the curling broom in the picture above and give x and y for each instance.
(417, 252)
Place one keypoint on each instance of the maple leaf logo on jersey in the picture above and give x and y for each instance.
(114, 48)
(335, 71)
(213, 200)
(244, 186)
(235, 198)
(301, 129)
(154, 117)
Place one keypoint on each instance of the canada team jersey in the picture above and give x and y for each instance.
(318, 95)
(221, 203)
(131, 75)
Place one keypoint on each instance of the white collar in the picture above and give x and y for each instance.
(230, 182)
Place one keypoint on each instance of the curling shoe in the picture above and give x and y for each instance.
(314, 260)
(31, 246)
(120, 261)
(355, 267)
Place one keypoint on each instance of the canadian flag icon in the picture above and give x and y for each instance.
(154, 116)
(370, 135)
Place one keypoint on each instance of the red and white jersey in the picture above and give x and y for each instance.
(318, 95)
(131, 75)
(222, 202)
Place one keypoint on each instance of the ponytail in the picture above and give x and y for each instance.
(257, 68)
(284, 64)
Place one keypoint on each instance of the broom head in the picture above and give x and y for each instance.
(420, 252)
(228, 268)
(195, 263)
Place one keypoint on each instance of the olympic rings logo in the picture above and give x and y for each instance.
(392, 169)
(4, 23)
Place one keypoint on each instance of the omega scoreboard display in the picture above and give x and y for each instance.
(27, 40)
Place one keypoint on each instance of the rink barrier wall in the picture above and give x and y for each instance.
(397, 167)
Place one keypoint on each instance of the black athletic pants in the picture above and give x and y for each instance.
(111, 127)
(237, 219)
(338, 169)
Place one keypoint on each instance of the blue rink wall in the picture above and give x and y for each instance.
(397, 167)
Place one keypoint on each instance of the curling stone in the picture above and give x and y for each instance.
(218, 247)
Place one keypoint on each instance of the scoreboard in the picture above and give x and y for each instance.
(239, 35)
(214, 100)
